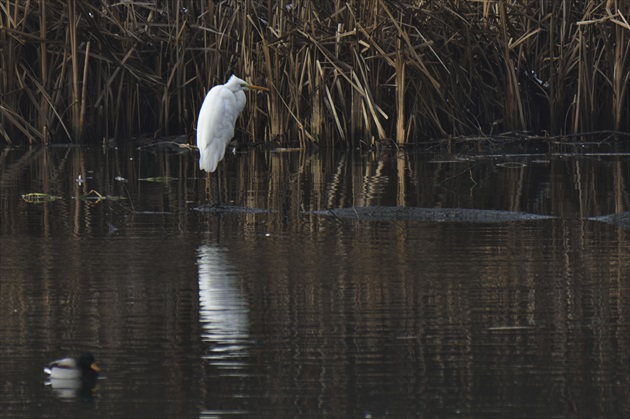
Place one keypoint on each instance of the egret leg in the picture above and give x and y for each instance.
(218, 188)
(208, 185)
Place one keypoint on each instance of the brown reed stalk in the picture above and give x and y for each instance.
(621, 72)
(84, 85)
(400, 94)
(43, 57)
(75, 106)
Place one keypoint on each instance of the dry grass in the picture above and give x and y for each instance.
(350, 72)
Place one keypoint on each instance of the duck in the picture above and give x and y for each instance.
(84, 367)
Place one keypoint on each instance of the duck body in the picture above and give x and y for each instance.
(83, 367)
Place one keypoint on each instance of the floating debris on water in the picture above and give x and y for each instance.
(158, 179)
(39, 197)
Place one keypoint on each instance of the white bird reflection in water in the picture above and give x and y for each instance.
(223, 312)
(70, 389)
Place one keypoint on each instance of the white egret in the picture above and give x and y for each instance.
(217, 118)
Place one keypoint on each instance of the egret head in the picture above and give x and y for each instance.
(235, 84)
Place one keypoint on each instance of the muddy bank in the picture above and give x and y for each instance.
(229, 209)
(621, 219)
(462, 215)
(453, 215)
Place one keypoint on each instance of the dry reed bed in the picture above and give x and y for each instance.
(345, 72)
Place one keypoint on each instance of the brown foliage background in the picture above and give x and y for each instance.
(344, 72)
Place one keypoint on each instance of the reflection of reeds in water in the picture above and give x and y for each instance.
(351, 72)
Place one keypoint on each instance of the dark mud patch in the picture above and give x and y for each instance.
(621, 219)
(461, 215)
(230, 209)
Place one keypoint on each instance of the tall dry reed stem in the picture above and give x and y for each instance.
(349, 72)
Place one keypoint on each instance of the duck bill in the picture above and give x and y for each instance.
(259, 88)
(95, 367)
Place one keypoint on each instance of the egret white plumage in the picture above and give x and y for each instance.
(217, 118)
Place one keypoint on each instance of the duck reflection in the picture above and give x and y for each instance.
(72, 378)
(74, 388)
(223, 312)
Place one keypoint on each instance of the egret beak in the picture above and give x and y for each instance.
(254, 87)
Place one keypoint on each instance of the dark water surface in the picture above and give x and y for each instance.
(289, 313)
